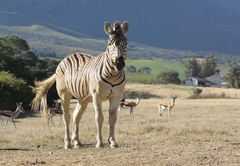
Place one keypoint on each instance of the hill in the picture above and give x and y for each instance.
(206, 25)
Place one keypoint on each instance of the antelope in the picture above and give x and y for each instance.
(167, 106)
(126, 105)
(10, 116)
(56, 110)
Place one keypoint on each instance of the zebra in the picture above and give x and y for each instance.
(89, 79)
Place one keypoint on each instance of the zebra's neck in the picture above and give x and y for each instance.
(108, 74)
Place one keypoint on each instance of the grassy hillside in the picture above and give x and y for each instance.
(46, 42)
(182, 25)
(156, 66)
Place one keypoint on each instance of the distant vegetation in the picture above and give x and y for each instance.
(45, 42)
(156, 67)
(19, 67)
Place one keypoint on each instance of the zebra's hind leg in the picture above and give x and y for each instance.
(66, 118)
(77, 115)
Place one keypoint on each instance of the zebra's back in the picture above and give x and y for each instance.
(76, 71)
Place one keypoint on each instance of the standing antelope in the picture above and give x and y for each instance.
(10, 116)
(167, 106)
(126, 105)
(56, 110)
(89, 79)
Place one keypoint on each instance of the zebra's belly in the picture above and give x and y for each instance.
(83, 87)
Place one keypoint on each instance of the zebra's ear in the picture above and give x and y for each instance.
(108, 28)
(125, 27)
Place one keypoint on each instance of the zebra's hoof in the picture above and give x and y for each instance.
(113, 146)
(99, 145)
(77, 146)
(68, 146)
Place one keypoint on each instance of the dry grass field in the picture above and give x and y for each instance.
(200, 132)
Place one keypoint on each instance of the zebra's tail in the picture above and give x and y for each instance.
(41, 89)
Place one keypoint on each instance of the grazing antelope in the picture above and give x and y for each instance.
(167, 106)
(10, 116)
(129, 105)
(89, 79)
(56, 110)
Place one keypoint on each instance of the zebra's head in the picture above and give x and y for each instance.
(117, 44)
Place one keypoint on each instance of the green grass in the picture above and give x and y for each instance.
(156, 66)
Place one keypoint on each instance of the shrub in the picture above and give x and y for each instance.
(13, 90)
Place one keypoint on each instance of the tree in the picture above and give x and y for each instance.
(233, 76)
(131, 69)
(193, 68)
(208, 66)
(16, 44)
(13, 90)
(10, 49)
(30, 58)
(144, 70)
(20, 68)
(169, 77)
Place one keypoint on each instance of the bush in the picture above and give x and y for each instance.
(134, 95)
(13, 90)
(197, 92)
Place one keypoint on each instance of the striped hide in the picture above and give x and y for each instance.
(89, 79)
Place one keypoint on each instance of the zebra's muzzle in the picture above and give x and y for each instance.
(120, 63)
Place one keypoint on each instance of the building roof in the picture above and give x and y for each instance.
(216, 79)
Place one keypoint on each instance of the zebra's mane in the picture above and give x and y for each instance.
(117, 28)
(117, 34)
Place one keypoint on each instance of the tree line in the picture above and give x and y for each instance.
(19, 67)
(193, 68)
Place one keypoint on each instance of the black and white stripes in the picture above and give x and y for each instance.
(90, 78)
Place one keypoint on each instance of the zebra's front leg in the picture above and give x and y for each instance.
(77, 115)
(112, 121)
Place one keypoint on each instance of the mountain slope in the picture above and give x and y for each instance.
(206, 25)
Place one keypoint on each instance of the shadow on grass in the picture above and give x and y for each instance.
(17, 149)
